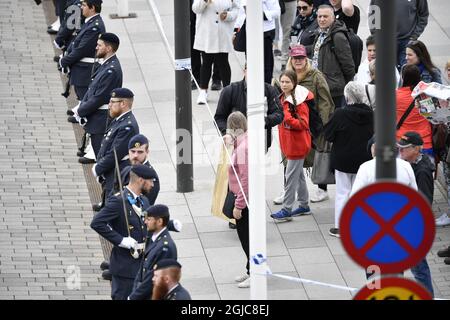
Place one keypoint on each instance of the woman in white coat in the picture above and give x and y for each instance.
(214, 29)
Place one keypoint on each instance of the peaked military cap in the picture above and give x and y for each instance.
(109, 37)
(137, 141)
(166, 263)
(157, 211)
(144, 171)
(122, 93)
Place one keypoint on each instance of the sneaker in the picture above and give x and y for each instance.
(282, 215)
(334, 232)
(216, 85)
(444, 253)
(442, 221)
(245, 283)
(320, 196)
(242, 278)
(279, 199)
(301, 211)
(202, 97)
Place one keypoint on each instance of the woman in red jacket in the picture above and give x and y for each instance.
(295, 143)
(414, 121)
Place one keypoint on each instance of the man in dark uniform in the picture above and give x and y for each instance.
(137, 154)
(79, 57)
(70, 24)
(92, 112)
(159, 246)
(121, 129)
(166, 281)
(125, 230)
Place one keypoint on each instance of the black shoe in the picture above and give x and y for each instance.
(193, 86)
(216, 85)
(97, 207)
(56, 59)
(104, 265)
(70, 112)
(80, 153)
(84, 160)
(231, 225)
(106, 275)
(447, 260)
(72, 119)
(444, 253)
(51, 31)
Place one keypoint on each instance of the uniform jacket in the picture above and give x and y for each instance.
(234, 98)
(295, 138)
(83, 46)
(107, 77)
(110, 223)
(162, 248)
(414, 121)
(67, 31)
(335, 59)
(178, 293)
(125, 176)
(349, 129)
(212, 34)
(116, 137)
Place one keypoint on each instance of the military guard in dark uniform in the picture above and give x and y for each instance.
(92, 112)
(79, 57)
(159, 246)
(121, 129)
(166, 281)
(70, 25)
(138, 150)
(126, 230)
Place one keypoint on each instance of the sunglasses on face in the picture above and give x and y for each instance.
(302, 8)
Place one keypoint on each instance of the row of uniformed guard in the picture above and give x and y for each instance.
(143, 259)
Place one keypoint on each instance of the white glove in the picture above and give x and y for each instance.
(128, 243)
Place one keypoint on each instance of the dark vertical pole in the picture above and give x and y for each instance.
(183, 103)
(385, 115)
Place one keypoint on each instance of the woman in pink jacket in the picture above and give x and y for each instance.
(237, 128)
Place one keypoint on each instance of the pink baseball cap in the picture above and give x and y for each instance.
(298, 51)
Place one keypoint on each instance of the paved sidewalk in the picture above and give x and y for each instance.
(209, 252)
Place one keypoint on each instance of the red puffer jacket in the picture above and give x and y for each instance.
(295, 138)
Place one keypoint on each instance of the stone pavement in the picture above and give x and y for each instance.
(209, 252)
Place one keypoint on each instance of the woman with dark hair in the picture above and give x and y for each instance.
(305, 25)
(413, 121)
(417, 54)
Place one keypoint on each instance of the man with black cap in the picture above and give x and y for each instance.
(79, 57)
(410, 149)
(166, 281)
(121, 129)
(92, 112)
(137, 154)
(159, 246)
(121, 222)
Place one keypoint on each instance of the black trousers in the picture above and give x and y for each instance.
(121, 287)
(219, 59)
(268, 55)
(96, 141)
(80, 92)
(338, 101)
(243, 234)
(196, 61)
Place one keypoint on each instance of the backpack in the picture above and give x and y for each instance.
(356, 46)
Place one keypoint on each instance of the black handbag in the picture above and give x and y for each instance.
(240, 40)
(228, 205)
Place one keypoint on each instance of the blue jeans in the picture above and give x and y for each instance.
(401, 53)
(422, 274)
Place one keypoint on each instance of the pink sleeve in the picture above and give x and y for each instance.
(242, 170)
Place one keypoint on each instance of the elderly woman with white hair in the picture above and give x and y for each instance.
(349, 129)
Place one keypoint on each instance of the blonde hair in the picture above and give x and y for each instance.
(236, 124)
(301, 75)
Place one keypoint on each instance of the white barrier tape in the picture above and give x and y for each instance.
(159, 24)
